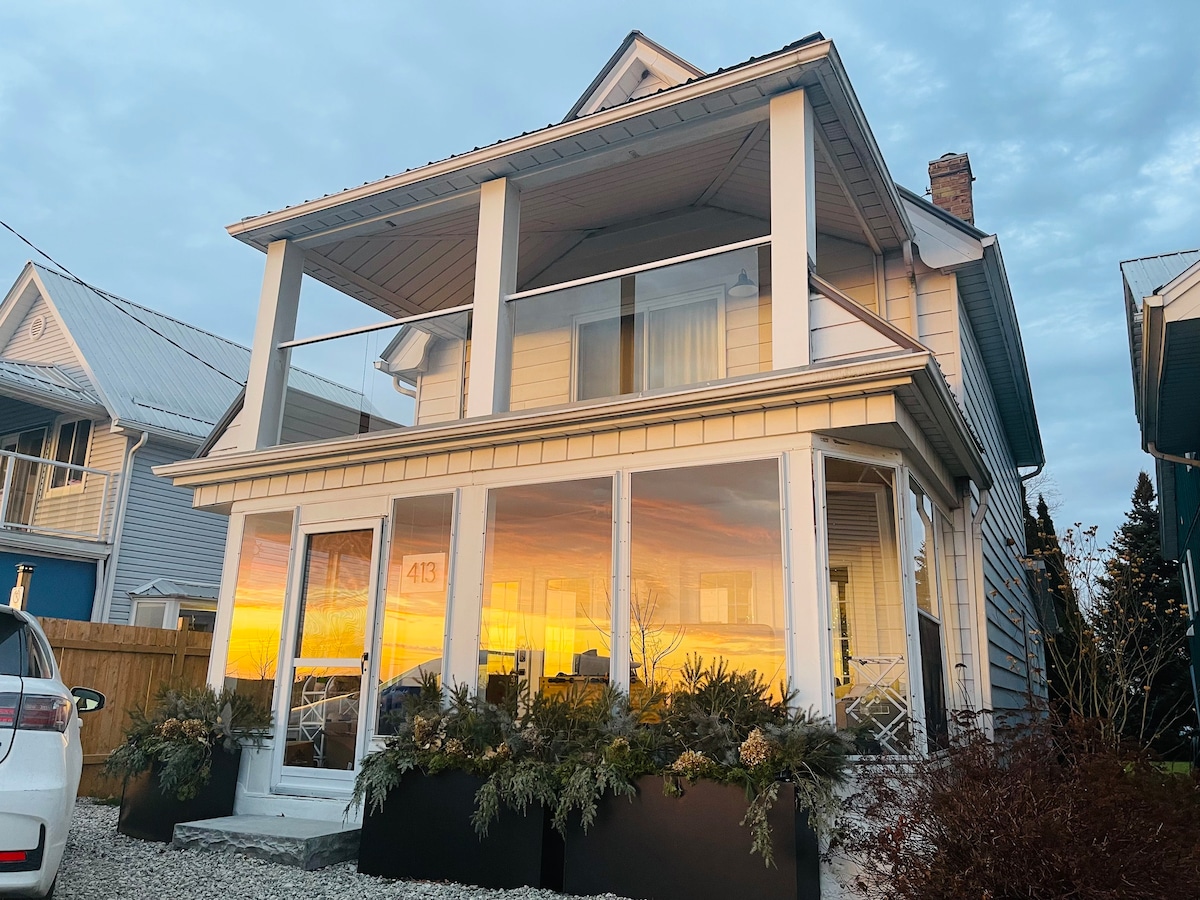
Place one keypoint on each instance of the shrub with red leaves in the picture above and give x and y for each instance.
(1048, 812)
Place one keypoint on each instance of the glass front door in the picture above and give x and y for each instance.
(320, 721)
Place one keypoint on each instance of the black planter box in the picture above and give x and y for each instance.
(424, 832)
(691, 847)
(150, 815)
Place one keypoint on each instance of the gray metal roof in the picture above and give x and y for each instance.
(44, 379)
(172, 588)
(1147, 275)
(157, 372)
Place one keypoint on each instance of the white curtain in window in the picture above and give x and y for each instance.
(683, 344)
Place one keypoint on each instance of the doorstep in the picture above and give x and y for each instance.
(305, 843)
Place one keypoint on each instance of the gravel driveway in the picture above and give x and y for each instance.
(101, 864)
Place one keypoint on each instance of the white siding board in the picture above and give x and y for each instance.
(53, 346)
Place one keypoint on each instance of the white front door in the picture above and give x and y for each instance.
(320, 720)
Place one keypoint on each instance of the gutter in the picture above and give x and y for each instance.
(122, 504)
(1167, 457)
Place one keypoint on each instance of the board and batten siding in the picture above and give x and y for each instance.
(1016, 658)
(163, 535)
(78, 508)
(52, 346)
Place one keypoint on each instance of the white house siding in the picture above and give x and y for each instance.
(839, 335)
(1012, 651)
(440, 390)
(163, 535)
(52, 346)
(850, 268)
(75, 509)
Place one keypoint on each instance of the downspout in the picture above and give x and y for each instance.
(975, 586)
(122, 503)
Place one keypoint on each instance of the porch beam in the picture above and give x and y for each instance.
(278, 304)
(793, 227)
(495, 279)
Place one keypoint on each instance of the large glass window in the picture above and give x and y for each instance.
(674, 326)
(707, 571)
(547, 586)
(869, 635)
(414, 611)
(253, 655)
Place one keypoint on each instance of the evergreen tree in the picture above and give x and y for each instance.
(1041, 541)
(1141, 627)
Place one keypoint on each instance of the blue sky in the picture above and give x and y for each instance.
(131, 133)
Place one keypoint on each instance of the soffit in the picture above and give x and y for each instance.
(681, 115)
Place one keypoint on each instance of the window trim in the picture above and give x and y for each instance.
(70, 487)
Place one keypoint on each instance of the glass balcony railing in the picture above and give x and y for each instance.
(691, 322)
(378, 378)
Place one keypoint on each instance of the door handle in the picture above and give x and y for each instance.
(365, 658)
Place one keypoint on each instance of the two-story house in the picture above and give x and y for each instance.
(1162, 313)
(95, 391)
(684, 373)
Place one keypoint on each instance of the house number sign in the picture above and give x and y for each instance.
(424, 573)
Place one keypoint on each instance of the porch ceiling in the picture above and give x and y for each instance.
(406, 244)
(404, 267)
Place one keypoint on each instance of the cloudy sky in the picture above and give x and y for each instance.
(132, 132)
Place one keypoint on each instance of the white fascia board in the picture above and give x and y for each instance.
(1181, 296)
(941, 245)
(15, 304)
(713, 84)
(750, 392)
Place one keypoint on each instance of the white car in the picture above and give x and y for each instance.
(40, 757)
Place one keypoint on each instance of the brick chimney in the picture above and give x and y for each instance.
(950, 184)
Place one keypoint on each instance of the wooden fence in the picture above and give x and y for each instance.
(127, 664)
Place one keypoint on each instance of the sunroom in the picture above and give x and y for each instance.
(646, 392)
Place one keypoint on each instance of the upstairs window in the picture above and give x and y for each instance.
(71, 448)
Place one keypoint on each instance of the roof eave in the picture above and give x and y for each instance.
(832, 77)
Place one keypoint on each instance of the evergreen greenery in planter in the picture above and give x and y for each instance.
(566, 752)
(179, 735)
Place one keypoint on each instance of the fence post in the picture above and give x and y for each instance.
(181, 636)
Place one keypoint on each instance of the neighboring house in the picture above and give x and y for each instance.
(690, 374)
(1162, 310)
(94, 392)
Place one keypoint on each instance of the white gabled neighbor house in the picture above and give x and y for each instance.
(685, 373)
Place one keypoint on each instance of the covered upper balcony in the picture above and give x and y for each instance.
(646, 244)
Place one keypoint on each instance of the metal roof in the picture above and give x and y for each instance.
(156, 372)
(171, 588)
(42, 378)
(1145, 276)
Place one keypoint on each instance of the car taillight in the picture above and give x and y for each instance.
(9, 703)
(13, 856)
(44, 713)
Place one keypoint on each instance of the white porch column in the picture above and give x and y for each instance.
(495, 277)
(808, 620)
(461, 654)
(262, 412)
(793, 227)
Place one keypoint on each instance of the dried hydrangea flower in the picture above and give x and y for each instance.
(756, 749)
(691, 764)
(455, 747)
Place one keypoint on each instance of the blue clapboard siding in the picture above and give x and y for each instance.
(60, 588)
(1012, 651)
(163, 535)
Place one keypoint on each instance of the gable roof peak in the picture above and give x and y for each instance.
(640, 67)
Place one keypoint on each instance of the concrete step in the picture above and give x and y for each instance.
(306, 843)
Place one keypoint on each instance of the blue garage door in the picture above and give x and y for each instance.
(61, 588)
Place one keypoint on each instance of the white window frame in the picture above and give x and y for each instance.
(71, 487)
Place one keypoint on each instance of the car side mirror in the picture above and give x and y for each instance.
(87, 700)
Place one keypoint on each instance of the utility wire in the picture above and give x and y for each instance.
(113, 299)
